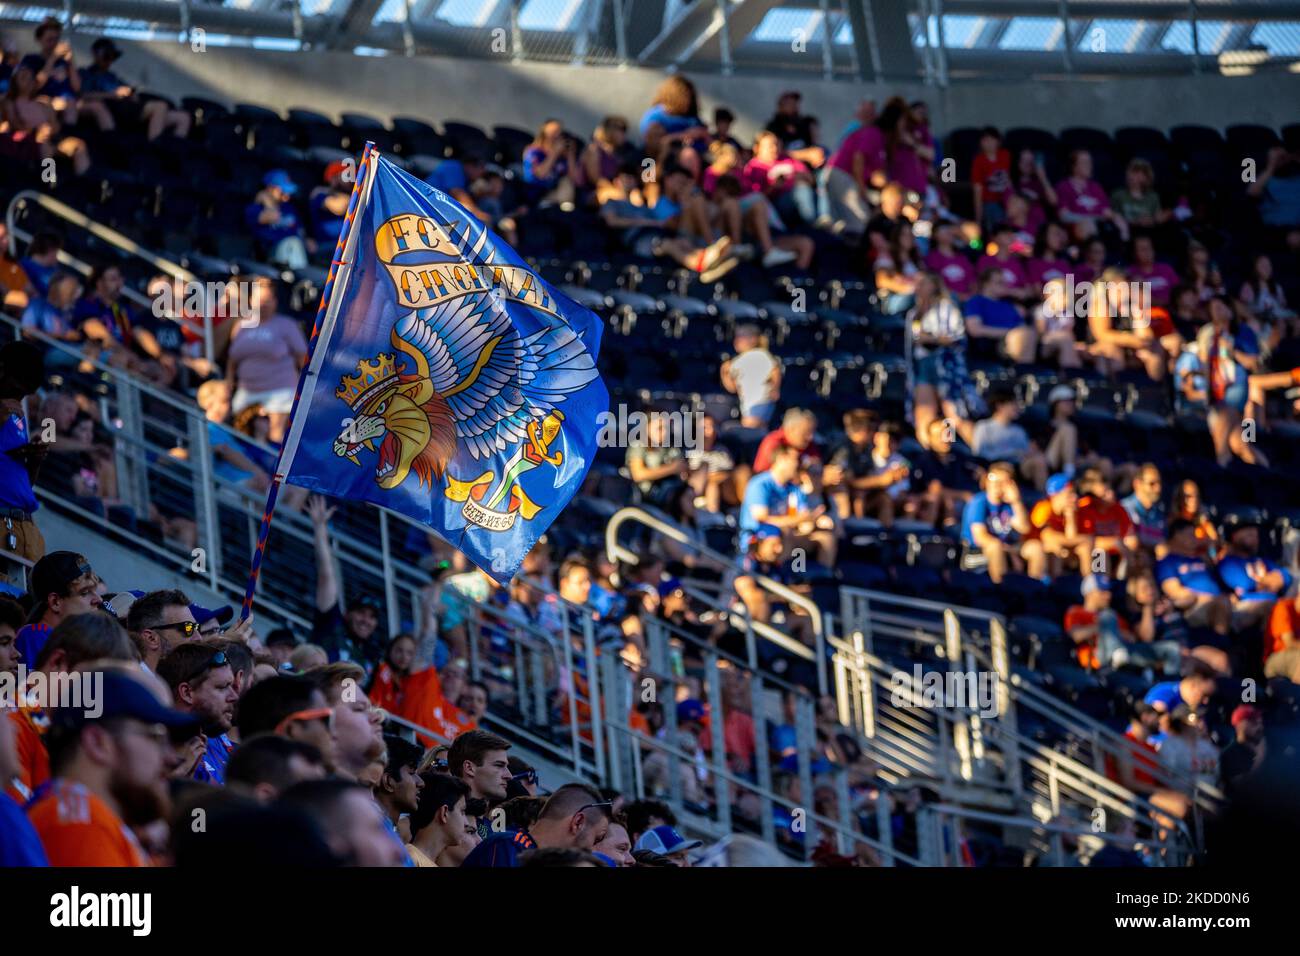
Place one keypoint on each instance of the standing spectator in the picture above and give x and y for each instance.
(574, 817)
(991, 177)
(347, 636)
(479, 759)
(753, 374)
(202, 683)
(797, 132)
(265, 357)
(941, 385)
(64, 585)
(855, 168)
(275, 223)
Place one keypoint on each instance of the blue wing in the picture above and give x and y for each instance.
(517, 380)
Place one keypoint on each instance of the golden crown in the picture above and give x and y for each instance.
(353, 389)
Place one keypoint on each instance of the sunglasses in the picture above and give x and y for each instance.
(528, 776)
(314, 713)
(217, 660)
(592, 806)
(188, 628)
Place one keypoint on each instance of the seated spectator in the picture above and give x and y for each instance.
(946, 479)
(42, 260)
(456, 178)
(750, 215)
(893, 213)
(990, 314)
(1202, 273)
(1277, 189)
(1262, 293)
(1049, 261)
(1256, 582)
(995, 524)
(1054, 323)
(603, 157)
(715, 476)
(1055, 520)
(948, 261)
(1105, 640)
(797, 133)
(724, 160)
(202, 682)
(865, 489)
(1186, 579)
(1283, 627)
(1093, 261)
(999, 438)
(1188, 506)
(28, 119)
(897, 266)
(550, 161)
(991, 178)
(798, 431)
(775, 500)
(1030, 181)
(1186, 748)
(1241, 756)
(104, 318)
(723, 121)
(439, 819)
(1121, 334)
(275, 223)
(53, 314)
(653, 231)
(786, 181)
(100, 85)
(1147, 510)
(1008, 254)
(1063, 452)
(658, 466)
(1025, 223)
(753, 374)
(1081, 202)
(328, 205)
(265, 357)
(1192, 690)
(57, 80)
(941, 384)
(1104, 519)
(1137, 200)
(1157, 277)
(16, 289)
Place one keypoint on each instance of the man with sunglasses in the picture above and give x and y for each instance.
(574, 818)
(63, 584)
(202, 683)
(160, 621)
(110, 773)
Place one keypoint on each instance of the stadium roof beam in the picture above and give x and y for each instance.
(697, 31)
(353, 23)
(1237, 10)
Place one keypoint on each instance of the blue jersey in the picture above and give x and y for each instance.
(1236, 575)
(997, 519)
(19, 844)
(15, 484)
(211, 767)
(1164, 695)
(1193, 573)
(500, 849)
(764, 491)
(30, 640)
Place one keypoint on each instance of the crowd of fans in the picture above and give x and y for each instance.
(1145, 284)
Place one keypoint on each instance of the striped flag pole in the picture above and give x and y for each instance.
(290, 446)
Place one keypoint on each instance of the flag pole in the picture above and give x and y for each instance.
(289, 448)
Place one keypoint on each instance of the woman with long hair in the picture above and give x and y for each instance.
(1227, 379)
(673, 122)
(25, 117)
(602, 158)
(549, 163)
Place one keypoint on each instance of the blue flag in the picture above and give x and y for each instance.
(447, 381)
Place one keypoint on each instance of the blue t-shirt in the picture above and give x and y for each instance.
(1234, 572)
(325, 225)
(95, 80)
(670, 123)
(38, 273)
(534, 156)
(1165, 694)
(1193, 573)
(19, 844)
(15, 483)
(997, 519)
(500, 850)
(31, 640)
(994, 313)
(211, 767)
(764, 491)
(1281, 202)
(449, 175)
(271, 233)
(58, 83)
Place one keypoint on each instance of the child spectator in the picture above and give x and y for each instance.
(991, 177)
(754, 376)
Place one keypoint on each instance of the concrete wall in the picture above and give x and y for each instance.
(492, 92)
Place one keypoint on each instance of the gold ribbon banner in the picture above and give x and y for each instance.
(472, 511)
(420, 286)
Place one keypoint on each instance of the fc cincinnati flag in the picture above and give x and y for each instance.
(447, 380)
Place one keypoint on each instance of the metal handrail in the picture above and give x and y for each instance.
(617, 552)
(114, 238)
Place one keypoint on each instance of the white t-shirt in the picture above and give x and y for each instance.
(751, 370)
(1192, 757)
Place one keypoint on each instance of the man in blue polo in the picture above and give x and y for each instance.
(574, 817)
(1255, 581)
(775, 501)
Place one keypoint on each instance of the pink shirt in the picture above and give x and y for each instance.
(1012, 268)
(908, 169)
(867, 142)
(1089, 201)
(1161, 278)
(1042, 271)
(761, 177)
(957, 272)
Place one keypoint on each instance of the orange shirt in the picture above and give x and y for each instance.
(386, 690)
(12, 276)
(1285, 619)
(79, 829)
(33, 759)
(422, 702)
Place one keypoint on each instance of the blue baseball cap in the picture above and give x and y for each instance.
(1057, 483)
(1095, 582)
(125, 695)
(690, 709)
(280, 179)
(222, 615)
(607, 860)
(665, 840)
(668, 587)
